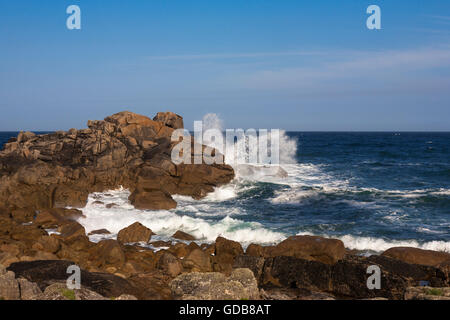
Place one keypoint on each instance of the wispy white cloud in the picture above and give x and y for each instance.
(439, 18)
(384, 66)
(235, 55)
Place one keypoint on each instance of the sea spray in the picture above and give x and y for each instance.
(165, 223)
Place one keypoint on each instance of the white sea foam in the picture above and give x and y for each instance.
(165, 223)
(379, 245)
(208, 218)
(306, 181)
(323, 184)
(442, 192)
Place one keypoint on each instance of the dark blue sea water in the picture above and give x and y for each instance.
(372, 190)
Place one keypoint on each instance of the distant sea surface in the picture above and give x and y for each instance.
(371, 190)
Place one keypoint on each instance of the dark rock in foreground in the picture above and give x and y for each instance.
(46, 273)
(347, 278)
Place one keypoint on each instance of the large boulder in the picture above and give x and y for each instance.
(180, 235)
(46, 273)
(28, 290)
(347, 278)
(107, 253)
(169, 264)
(152, 285)
(240, 285)
(418, 256)
(134, 233)
(225, 253)
(47, 244)
(310, 248)
(72, 231)
(152, 200)
(197, 260)
(53, 218)
(9, 287)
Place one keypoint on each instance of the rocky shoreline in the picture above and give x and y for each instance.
(41, 176)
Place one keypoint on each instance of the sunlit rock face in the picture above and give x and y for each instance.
(126, 149)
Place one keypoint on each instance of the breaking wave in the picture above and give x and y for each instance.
(379, 244)
(165, 223)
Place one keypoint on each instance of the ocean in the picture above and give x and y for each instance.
(371, 190)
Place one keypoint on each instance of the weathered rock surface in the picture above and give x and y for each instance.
(107, 253)
(170, 119)
(169, 264)
(427, 293)
(9, 287)
(54, 287)
(28, 290)
(46, 273)
(59, 291)
(60, 169)
(240, 285)
(346, 278)
(180, 235)
(225, 253)
(418, 256)
(309, 248)
(197, 260)
(52, 218)
(135, 233)
(16, 289)
(100, 231)
(152, 285)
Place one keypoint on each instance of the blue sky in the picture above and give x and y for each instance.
(295, 65)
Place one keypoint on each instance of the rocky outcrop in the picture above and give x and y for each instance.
(28, 290)
(169, 264)
(46, 273)
(107, 253)
(347, 278)
(418, 256)
(427, 293)
(170, 119)
(60, 169)
(100, 231)
(240, 285)
(54, 288)
(9, 287)
(197, 260)
(59, 291)
(225, 253)
(135, 233)
(312, 248)
(180, 235)
(208, 271)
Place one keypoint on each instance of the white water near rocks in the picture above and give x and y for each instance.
(165, 223)
(209, 218)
